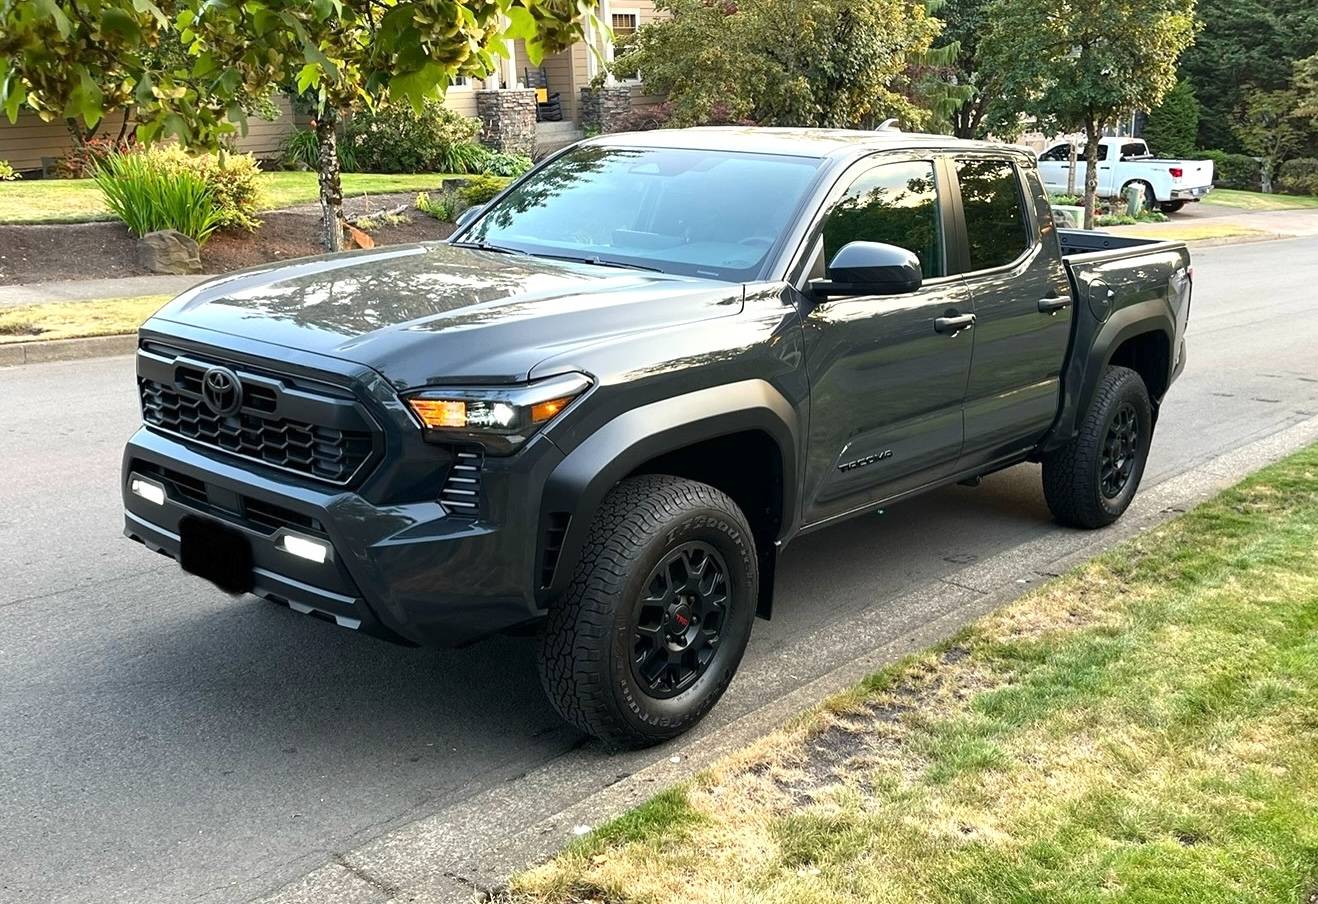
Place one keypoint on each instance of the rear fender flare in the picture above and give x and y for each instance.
(1085, 372)
(585, 476)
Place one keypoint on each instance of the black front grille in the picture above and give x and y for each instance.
(266, 517)
(310, 429)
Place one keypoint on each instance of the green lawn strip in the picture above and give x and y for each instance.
(1144, 729)
(1257, 200)
(76, 319)
(1187, 232)
(79, 200)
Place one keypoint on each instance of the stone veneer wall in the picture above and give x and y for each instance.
(603, 109)
(507, 119)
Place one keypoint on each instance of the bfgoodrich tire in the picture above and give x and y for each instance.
(1091, 481)
(654, 624)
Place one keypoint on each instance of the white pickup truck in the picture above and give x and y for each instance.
(1168, 184)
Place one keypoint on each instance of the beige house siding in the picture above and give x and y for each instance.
(31, 140)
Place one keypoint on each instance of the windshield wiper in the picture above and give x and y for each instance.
(487, 246)
(600, 262)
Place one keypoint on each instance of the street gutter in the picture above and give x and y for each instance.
(464, 851)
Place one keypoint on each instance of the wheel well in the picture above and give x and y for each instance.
(748, 466)
(1149, 355)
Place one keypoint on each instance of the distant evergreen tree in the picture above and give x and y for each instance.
(1173, 126)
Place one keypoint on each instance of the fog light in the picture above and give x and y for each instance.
(303, 548)
(151, 492)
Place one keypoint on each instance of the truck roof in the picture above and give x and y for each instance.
(796, 142)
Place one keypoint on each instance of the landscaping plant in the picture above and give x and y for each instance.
(444, 207)
(7, 173)
(501, 164)
(480, 189)
(1299, 176)
(395, 138)
(1233, 170)
(1173, 125)
(148, 194)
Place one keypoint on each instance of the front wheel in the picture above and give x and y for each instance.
(1091, 481)
(651, 630)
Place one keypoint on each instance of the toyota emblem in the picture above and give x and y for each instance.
(221, 391)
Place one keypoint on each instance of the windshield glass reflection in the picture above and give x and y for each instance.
(690, 212)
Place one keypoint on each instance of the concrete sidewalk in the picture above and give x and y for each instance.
(1196, 221)
(89, 289)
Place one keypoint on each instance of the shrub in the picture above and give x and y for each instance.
(480, 189)
(500, 164)
(1173, 125)
(462, 157)
(300, 150)
(149, 196)
(233, 181)
(7, 173)
(1066, 200)
(643, 119)
(395, 139)
(1234, 170)
(443, 207)
(1299, 176)
(84, 159)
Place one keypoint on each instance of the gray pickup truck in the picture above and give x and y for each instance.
(600, 411)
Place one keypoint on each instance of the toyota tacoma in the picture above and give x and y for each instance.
(601, 409)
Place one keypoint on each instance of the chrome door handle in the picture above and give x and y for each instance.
(953, 325)
(1053, 305)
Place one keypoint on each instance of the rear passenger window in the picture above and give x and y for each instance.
(894, 203)
(995, 216)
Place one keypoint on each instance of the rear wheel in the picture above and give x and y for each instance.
(1171, 206)
(1091, 481)
(655, 622)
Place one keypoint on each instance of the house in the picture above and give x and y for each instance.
(506, 102)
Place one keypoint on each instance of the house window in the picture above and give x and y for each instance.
(624, 24)
(459, 81)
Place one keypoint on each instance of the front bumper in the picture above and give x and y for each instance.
(403, 566)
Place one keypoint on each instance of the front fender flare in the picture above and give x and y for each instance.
(580, 482)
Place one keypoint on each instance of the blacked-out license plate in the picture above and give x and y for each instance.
(217, 553)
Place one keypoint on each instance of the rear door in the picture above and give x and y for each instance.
(1011, 263)
(886, 385)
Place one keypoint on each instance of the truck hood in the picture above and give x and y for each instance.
(440, 313)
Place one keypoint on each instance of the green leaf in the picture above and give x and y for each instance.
(521, 24)
(118, 22)
(308, 76)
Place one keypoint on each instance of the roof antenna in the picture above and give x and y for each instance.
(889, 125)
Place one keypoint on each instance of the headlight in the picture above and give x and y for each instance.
(501, 418)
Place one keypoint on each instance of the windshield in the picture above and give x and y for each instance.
(691, 212)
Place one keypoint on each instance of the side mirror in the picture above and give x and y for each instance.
(870, 268)
(469, 214)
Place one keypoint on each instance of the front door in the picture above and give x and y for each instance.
(886, 384)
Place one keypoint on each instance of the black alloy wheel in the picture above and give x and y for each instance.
(1120, 451)
(679, 619)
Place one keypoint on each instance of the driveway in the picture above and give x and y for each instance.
(163, 742)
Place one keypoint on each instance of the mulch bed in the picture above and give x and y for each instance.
(30, 253)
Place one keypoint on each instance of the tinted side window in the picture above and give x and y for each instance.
(1060, 153)
(896, 203)
(995, 220)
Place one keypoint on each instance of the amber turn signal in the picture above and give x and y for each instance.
(438, 414)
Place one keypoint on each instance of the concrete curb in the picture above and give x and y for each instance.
(45, 351)
(464, 850)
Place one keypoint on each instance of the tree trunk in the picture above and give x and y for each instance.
(1091, 170)
(1265, 175)
(331, 190)
(1070, 173)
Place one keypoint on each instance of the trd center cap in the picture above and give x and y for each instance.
(679, 619)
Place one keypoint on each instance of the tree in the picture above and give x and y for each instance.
(60, 55)
(982, 110)
(1269, 127)
(1244, 44)
(1172, 129)
(830, 63)
(1081, 65)
(1306, 88)
(351, 55)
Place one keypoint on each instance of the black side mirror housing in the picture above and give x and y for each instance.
(469, 214)
(870, 268)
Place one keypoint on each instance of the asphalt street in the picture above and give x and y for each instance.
(163, 742)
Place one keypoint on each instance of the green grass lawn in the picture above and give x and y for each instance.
(1140, 730)
(77, 319)
(1255, 200)
(79, 200)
